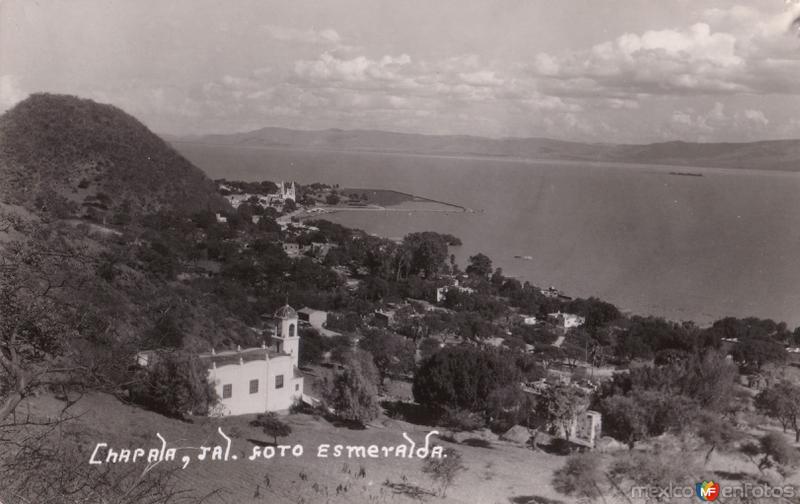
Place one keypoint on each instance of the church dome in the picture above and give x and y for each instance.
(285, 312)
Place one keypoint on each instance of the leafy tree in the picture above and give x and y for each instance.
(353, 392)
(559, 406)
(428, 347)
(312, 346)
(444, 470)
(508, 406)
(479, 265)
(174, 384)
(462, 377)
(272, 425)
(422, 253)
(781, 402)
(393, 354)
(716, 432)
(756, 352)
(774, 451)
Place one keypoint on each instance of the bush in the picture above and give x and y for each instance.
(272, 425)
(461, 420)
(174, 385)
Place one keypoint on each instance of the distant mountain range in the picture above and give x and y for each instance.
(764, 155)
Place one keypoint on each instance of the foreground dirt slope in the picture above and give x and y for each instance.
(493, 475)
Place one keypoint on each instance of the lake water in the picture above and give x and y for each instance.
(687, 248)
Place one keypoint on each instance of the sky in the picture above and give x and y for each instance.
(621, 71)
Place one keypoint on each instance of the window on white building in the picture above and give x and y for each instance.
(279, 381)
(253, 386)
(227, 391)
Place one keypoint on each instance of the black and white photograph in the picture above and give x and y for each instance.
(399, 251)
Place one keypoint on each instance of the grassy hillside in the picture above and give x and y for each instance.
(75, 156)
(766, 155)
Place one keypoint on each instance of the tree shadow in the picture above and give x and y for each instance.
(533, 499)
(411, 412)
(558, 446)
(345, 424)
(478, 443)
(409, 490)
(733, 475)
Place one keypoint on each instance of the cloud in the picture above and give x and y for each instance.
(733, 51)
(355, 70)
(309, 36)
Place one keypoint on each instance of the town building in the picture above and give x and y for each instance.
(261, 379)
(287, 191)
(292, 249)
(566, 320)
(315, 318)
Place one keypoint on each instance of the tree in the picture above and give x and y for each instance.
(423, 253)
(272, 425)
(580, 477)
(716, 432)
(559, 406)
(445, 469)
(332, 199)
(625, 419)
(462, 377)
(175, 384)
(479, 265)
(428, 347)
(781, 402)
(756, 352)
(353, 392)
(774, 451)
(312, 346)
(40, 277)
(392, 353)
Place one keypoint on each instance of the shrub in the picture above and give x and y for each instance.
(174, 385)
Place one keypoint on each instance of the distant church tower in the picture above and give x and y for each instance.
(288, 191)
(286, 332)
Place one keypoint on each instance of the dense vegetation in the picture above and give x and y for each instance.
(71, 157)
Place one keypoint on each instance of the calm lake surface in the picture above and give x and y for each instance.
(687, 248)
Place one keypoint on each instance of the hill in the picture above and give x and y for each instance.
(767, 155)
(75, 156)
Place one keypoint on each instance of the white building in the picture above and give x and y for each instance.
(315, 318)
(256, 380)
(287, 191)
(566, 320)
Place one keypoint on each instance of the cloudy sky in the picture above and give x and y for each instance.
(591, 70)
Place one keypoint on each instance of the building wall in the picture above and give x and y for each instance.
(316, 318)
(239, 376)
(281, 399)
(268, 397)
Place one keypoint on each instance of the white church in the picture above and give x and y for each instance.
(287, 191)
(261, 379)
